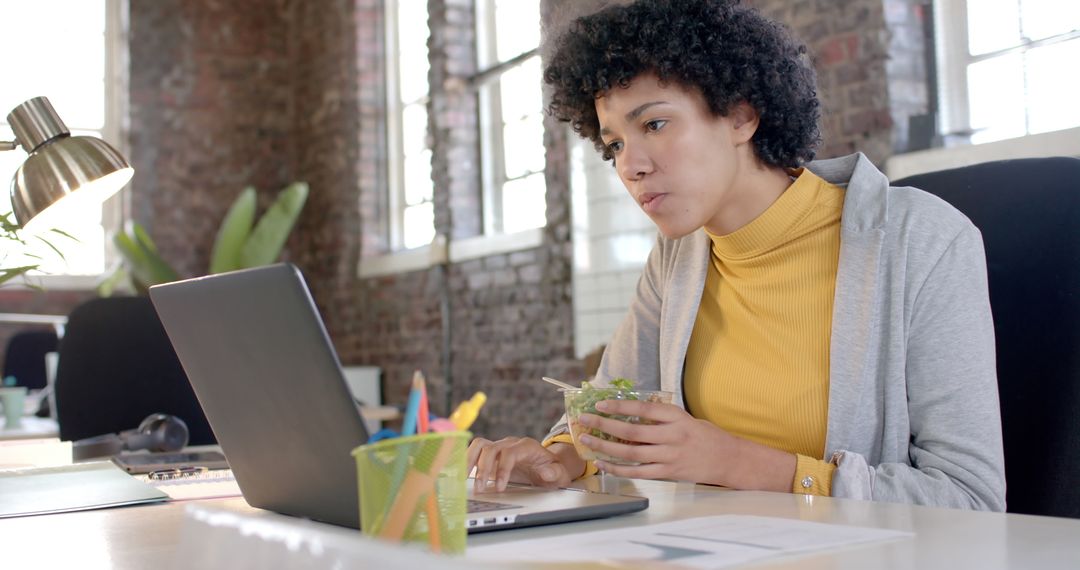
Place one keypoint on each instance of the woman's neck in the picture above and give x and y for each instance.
(756, 187)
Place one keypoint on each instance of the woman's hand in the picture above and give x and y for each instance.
(522, 460)
(681, 447)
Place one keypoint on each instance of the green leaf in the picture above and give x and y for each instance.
(13, 272)
(234, 231)
(138, 250)
(51, 246)
(265, 243)
(142, 237)
(65, 234)
(118, 279)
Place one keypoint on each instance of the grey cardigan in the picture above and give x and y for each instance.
(913, 400)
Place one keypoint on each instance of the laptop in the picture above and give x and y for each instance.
(262, 366)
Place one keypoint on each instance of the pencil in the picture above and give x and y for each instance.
(415, 486)
(434, 538)
(423, 413)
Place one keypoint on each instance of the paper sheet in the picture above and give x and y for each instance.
(705, 542)
(66, 488)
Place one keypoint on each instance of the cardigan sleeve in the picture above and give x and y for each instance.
(955, 444)
(634, 350)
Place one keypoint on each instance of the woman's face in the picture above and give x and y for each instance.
(683, 165)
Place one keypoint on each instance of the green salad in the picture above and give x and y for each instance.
(584, 402)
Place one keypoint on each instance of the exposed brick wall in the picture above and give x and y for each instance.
(263, 92)
(327, 130)
(847, 42)
(211, 112)
(453, 119)
(869, 59)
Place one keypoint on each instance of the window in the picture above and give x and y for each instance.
(1007, 67)
(75, 68)
(412, 222)
(512, 115)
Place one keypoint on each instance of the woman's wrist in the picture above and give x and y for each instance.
(757, 467)
(569, 458)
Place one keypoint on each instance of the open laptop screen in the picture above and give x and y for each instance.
(261, 363)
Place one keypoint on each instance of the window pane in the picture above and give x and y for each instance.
(996, 97)
(524, 204)
(1052, 92)
(1045, 18)
(517, 27)
(414, 128)
(418, 186)
(523, 146)
(419, 225)
(520, 91)
(992, 25)
(412, 49)
(71, 72)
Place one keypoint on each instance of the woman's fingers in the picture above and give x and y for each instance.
(643, 471)
(640, 433)
(516, 459)
(486, 464)
(476, 446)
(637, 453)
(653, 411)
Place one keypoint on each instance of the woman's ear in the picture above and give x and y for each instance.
(744, 122)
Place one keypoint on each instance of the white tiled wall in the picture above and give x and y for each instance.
(612, 239)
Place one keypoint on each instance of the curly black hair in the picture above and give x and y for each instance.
(730, 52)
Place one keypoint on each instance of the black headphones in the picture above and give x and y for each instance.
(158, 432)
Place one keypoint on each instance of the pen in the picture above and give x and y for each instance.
(466, 412)
(408, 427)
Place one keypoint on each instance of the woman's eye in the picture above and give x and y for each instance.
(655, 124)
(614, 147)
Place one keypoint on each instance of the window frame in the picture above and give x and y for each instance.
(953, 59)
(115, 129)
(489, 92)
(395, 109)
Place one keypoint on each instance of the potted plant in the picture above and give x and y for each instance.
(241, 241)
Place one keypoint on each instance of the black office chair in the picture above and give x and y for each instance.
(1028, 211)
(117, 367)
(24, 357)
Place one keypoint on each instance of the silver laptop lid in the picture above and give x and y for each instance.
(263, 368)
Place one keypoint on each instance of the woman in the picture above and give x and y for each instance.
(823, 333)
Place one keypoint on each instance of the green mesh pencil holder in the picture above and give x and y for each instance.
(413, 489)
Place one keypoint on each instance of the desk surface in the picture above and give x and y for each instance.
(144, 536)
(31, 427)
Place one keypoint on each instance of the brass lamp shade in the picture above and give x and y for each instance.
(83, 171)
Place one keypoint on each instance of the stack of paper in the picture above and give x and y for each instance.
(705, 542)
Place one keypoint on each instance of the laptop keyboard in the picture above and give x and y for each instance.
(478, 506)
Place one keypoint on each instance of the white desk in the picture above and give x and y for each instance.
(149, 536)
(31, 427)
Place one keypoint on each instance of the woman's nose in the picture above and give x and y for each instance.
(633, 163)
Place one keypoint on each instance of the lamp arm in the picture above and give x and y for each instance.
(8, 145)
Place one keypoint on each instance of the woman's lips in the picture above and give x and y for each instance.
(650, 201)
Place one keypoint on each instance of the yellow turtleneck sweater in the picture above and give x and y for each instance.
(758, 360)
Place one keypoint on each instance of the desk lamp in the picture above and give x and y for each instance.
(84, 170)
